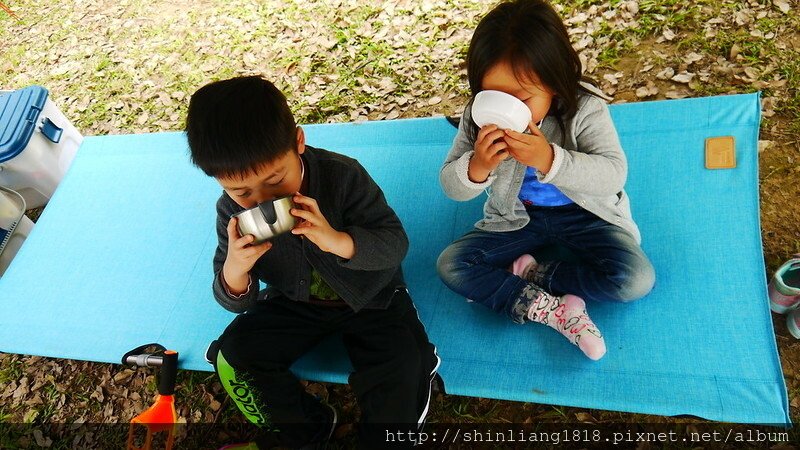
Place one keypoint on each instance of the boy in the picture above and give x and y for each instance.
(337, 271)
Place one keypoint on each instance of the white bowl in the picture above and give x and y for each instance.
(501, 109)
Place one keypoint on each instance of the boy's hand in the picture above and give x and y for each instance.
(530, 149)
(490, 150)
(241, 258)
(316, 228)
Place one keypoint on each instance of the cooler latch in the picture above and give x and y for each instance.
(51, 131)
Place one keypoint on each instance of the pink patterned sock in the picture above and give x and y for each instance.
(567, 315)
(523, 267)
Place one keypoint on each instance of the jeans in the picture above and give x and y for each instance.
(610, 266)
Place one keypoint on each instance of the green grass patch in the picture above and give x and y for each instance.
(11, 370)
(754, 51)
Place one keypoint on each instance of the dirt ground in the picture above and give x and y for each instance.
(128, 66)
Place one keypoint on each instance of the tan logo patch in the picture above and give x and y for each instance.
(720, 152)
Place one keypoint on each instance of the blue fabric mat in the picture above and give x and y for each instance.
(122, 256)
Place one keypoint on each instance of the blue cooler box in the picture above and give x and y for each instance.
(37, 144)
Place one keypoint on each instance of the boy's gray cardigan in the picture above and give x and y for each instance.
(351, 202)
(589, 167)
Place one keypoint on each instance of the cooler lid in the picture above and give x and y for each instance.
(19, 111)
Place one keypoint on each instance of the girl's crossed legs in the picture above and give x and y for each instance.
(611, 266)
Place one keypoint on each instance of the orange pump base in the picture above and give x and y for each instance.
(161, 417)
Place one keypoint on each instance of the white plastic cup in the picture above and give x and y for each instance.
(501, 109)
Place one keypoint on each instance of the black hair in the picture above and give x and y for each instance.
(235, 126)
(531, 37)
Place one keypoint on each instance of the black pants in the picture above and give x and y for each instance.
(393, 360)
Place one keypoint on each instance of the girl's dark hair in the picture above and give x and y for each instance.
(234, 126)
(531, 37)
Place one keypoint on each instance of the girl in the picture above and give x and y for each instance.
(561, 183)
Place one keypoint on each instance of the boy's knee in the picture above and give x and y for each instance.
(228, 357)
(409, 360)
(241, 355)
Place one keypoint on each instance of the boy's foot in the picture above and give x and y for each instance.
(433, 379)
(567, 315)
(240, 446)
(524, 267)
(334, 422)
(334, 419)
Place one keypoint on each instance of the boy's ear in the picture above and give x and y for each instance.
(301, 141)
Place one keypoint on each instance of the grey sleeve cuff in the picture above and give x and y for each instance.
(233, 303)
(462, 171)
(558, 161)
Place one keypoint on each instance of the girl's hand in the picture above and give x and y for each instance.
(316, 228)
(241, 258)
(530, 149)
(490, 151)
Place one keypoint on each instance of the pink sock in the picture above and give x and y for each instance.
(523, 266)
(567, 315)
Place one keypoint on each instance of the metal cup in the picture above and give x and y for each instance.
(267, 220)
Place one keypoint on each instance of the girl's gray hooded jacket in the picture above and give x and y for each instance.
(589, 167)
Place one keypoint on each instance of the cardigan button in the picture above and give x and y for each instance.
(302, 282)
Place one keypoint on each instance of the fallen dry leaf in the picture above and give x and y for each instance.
(782, 5)
(683, 77)
(647, 91)
(751, 74)
(41, 440)
(692, 58)
(666, 74)
(673, 94)
(735, 51)
(123, 376)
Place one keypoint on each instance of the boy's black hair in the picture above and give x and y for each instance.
(236, 125)
(530, 36)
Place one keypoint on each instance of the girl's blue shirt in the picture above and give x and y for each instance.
(535, 193)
